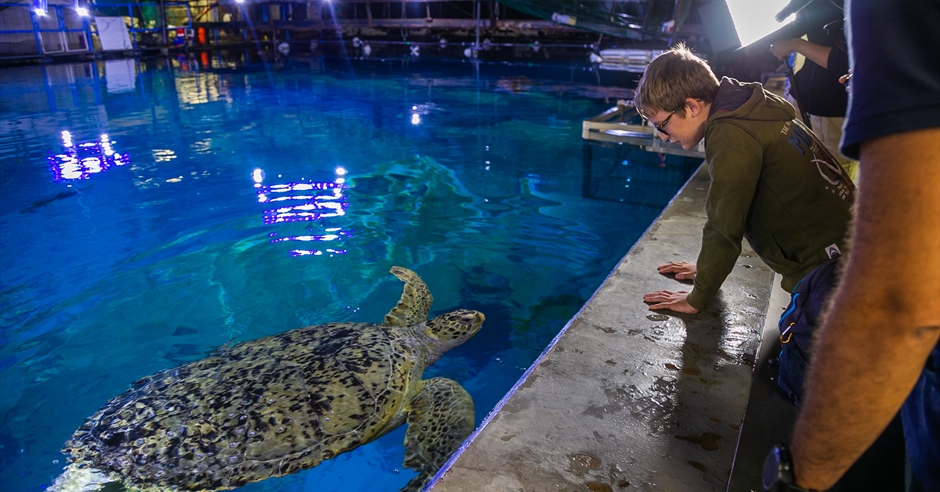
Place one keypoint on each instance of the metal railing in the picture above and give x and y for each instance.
(147, 27)
(24, 32)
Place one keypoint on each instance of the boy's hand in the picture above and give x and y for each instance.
(683, 269)
(674, 301)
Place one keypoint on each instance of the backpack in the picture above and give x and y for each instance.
(797, 324)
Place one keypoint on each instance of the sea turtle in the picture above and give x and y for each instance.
(280, 404)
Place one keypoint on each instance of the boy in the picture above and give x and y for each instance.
(772, 181)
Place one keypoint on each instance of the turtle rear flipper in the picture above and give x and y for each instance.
(439, 419)
(415, 302)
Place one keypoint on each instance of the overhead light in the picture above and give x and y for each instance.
(753, 20)
(743, 23)
(41, 7)
(81, 6)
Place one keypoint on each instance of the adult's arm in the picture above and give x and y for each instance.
(734, 165)
(885, 318)
(815, 53)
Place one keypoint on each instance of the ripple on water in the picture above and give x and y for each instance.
(173, 246)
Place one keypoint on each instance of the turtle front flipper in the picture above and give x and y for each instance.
(80, 478)
(440, 417)
(415, 302)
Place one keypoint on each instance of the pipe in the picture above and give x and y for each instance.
(476, 46)
(162, 4)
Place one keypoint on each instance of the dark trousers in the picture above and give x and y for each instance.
(882, 467)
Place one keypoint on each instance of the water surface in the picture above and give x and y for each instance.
(154, 210)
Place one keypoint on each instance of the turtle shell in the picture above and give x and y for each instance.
(264, 408)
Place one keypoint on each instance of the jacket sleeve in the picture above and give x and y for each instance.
(734, 165)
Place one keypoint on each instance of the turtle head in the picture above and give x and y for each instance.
(451, 329)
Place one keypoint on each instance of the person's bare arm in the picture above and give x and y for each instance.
(816, 53)
(885, 318)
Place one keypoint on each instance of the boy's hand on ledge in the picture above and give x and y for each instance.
(683, 269)
(674, 301)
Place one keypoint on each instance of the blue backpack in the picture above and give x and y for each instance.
(798, 323)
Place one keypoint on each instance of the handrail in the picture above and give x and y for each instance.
(88, 28)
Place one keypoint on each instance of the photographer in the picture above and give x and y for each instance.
(815, 88)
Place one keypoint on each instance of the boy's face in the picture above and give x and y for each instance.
(685, 127)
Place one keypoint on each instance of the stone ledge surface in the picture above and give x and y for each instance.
(629, 399)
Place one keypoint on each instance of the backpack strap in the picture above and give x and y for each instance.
(796, 329)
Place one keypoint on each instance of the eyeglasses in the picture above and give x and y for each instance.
(661, 127)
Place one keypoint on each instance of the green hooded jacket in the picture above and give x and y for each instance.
(772, 182)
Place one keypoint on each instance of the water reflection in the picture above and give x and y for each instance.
(199, 87)
(121, 75)
(306, 201)
(197, 258)
(163, 155)
(82, 160)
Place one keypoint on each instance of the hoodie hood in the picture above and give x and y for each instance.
(748, 101)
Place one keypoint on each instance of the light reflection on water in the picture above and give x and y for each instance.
(248, 202)
(80, 161)
(315, 201)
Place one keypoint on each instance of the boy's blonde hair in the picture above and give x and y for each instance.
(671, 78)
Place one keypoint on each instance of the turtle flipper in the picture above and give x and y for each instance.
(415, 302)
(439, 419)
(80, 478)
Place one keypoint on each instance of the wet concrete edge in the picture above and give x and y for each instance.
(625, 398)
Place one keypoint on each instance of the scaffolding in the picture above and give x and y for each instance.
(26, 31)
(63, 29)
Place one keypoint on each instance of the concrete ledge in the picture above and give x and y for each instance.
(770, 417)
(626, 398)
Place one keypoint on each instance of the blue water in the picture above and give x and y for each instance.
(151, 211)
